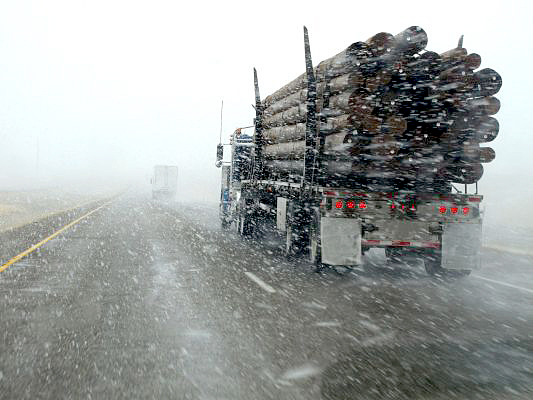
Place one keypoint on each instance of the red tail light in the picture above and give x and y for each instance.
(442, 209)
(466, 210)
(454, 210)
(392, 206)
(362, 205)
(338, 204)
(350, 204)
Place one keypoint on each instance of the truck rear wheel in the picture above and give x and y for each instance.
(293, 242)
(433, 263)
(245, 224)
(394, 255)
(433, 266)
(289, 245)
(296, 233)
(224, 224)
(315, 250)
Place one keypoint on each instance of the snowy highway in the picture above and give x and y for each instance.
(147, 300)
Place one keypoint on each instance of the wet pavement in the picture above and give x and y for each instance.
(147, 300)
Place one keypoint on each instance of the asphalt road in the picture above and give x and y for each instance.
(147, 300)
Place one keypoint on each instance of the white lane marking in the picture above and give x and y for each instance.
(265, 286)
(328, 324)
(504, 284)
(520, 252)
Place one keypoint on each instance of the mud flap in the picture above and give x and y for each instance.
(340, 241)
(461, 246)
(281, 214)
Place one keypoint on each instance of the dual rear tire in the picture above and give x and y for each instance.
(432, 260)
(315, 247)
(433, 263)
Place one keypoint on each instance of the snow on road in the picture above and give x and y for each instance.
(19, 208)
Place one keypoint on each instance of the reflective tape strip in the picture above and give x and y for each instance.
(400, 243)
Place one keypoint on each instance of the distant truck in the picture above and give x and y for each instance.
(164, 182)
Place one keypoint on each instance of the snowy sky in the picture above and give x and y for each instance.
(103, 90)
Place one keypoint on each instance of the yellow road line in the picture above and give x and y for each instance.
(53, 235)
(57, 212)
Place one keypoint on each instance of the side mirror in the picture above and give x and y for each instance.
(220, 155)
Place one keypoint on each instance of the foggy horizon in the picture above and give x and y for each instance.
(102, 92)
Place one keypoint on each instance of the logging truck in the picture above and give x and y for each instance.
(336, 175)
(164, 182)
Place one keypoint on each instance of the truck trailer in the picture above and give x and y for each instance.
(164, 182)
(369, 149)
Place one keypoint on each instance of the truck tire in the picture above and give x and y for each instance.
(245, 224)
(289, 248)
(297, 235)
(292, 245)
(433, 263)
(394, 255)
(433, 266)
(315, 250)
(224, 224)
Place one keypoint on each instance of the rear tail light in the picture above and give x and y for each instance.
(350, 204)
(362, 205)
(338, 204)
(455, 210)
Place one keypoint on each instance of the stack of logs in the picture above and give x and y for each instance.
(388, 108)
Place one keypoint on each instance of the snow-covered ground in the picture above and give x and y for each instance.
(22, 207)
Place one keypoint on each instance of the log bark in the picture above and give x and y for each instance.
(456, 53)
(342, 63)
(473, 153)
(472, 61)
(381, 43)
(289, 150)
(285, 133)
(290, 101)
(384, 105)
(488, 83)
(463, 173)
(337, 124)
(410, 41)
(382, 78)
(487, 130)
(291, 116)
(350, 81)
(293, 86)
(483, 106)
